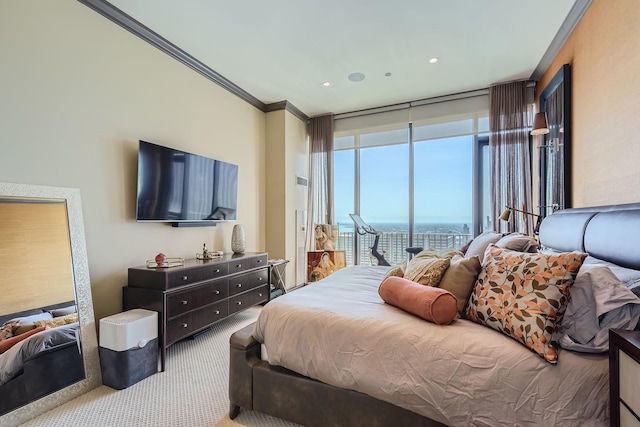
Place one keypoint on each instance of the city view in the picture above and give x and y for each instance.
(395, 239)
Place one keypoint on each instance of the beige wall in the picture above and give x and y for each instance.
(77, 93)
(604, 53)
(286, 156)
(275, 179)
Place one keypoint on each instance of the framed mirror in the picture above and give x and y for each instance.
(555, 150)
(49, 354)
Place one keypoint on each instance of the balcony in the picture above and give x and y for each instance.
(394, 243)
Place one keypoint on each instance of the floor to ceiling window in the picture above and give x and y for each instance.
(443, 199)
(419, 183)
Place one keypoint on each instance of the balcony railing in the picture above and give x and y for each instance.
(393, 244)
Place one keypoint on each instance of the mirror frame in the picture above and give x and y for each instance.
(93, 377)
(562, 76)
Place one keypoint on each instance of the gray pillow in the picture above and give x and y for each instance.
(480, 244)
(599, 302)
(518, 242)
(57, 312)
(628, 276)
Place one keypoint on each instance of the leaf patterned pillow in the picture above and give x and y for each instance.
(524, 295)
(6, 330)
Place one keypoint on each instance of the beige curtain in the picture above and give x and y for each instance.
(320, 195)
(510, 115)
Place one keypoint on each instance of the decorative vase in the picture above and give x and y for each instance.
(237, 239)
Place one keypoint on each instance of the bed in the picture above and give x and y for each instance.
(43, 357)
(333, 353)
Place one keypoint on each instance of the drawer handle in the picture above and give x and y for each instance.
(184, 325)
(217, 270)
(260, 294)
(259, 261)
(217, 312)
(184, 302)
(260, 279)
(238, 265)
(184, 278)
(239, 303)
(239, 285)
(217, 292)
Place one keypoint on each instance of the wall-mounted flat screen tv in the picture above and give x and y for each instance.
(179, 187)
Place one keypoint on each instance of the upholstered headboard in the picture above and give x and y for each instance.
(610, 233)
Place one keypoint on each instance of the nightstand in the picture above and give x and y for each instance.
(624, 377)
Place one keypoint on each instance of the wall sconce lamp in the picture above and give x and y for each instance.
(540, 124)
(554, 145)
(506, 216)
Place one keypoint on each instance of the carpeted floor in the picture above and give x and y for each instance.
(193, 391)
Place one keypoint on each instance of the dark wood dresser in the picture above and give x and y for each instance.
(190, 298)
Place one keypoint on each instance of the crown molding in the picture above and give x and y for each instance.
(114, 14)
(575, 15)
(286, 105)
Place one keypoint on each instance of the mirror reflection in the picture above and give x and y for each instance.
(40, 350)
(555, 159)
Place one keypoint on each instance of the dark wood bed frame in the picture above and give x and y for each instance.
(609, 233)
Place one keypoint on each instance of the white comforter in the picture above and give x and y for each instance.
(339, 331)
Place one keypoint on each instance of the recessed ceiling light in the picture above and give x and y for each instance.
(356, 77)
(433, 60)
(388, 74)
(326, 84)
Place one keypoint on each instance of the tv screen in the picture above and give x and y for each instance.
(176, 186)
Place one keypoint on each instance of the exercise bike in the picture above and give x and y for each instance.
(363, 228)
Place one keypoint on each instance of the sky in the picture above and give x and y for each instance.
(443, 182)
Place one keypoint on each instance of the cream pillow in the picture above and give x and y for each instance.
(58, 321)
(396, 270)
(449, 253)
(426, 268)
(460, 278)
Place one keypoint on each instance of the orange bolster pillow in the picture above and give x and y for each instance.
(433, 304)
(10, 342)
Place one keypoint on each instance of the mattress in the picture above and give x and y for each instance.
(339, 331)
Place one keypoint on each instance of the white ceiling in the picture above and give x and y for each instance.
(285, 49)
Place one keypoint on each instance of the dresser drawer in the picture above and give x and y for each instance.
(205, 316)
(178, 328)
(190, 323)
(247, 299)
(247, 281)
(245, 263)
(188, 276)
(168, 278)
(201, 295)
